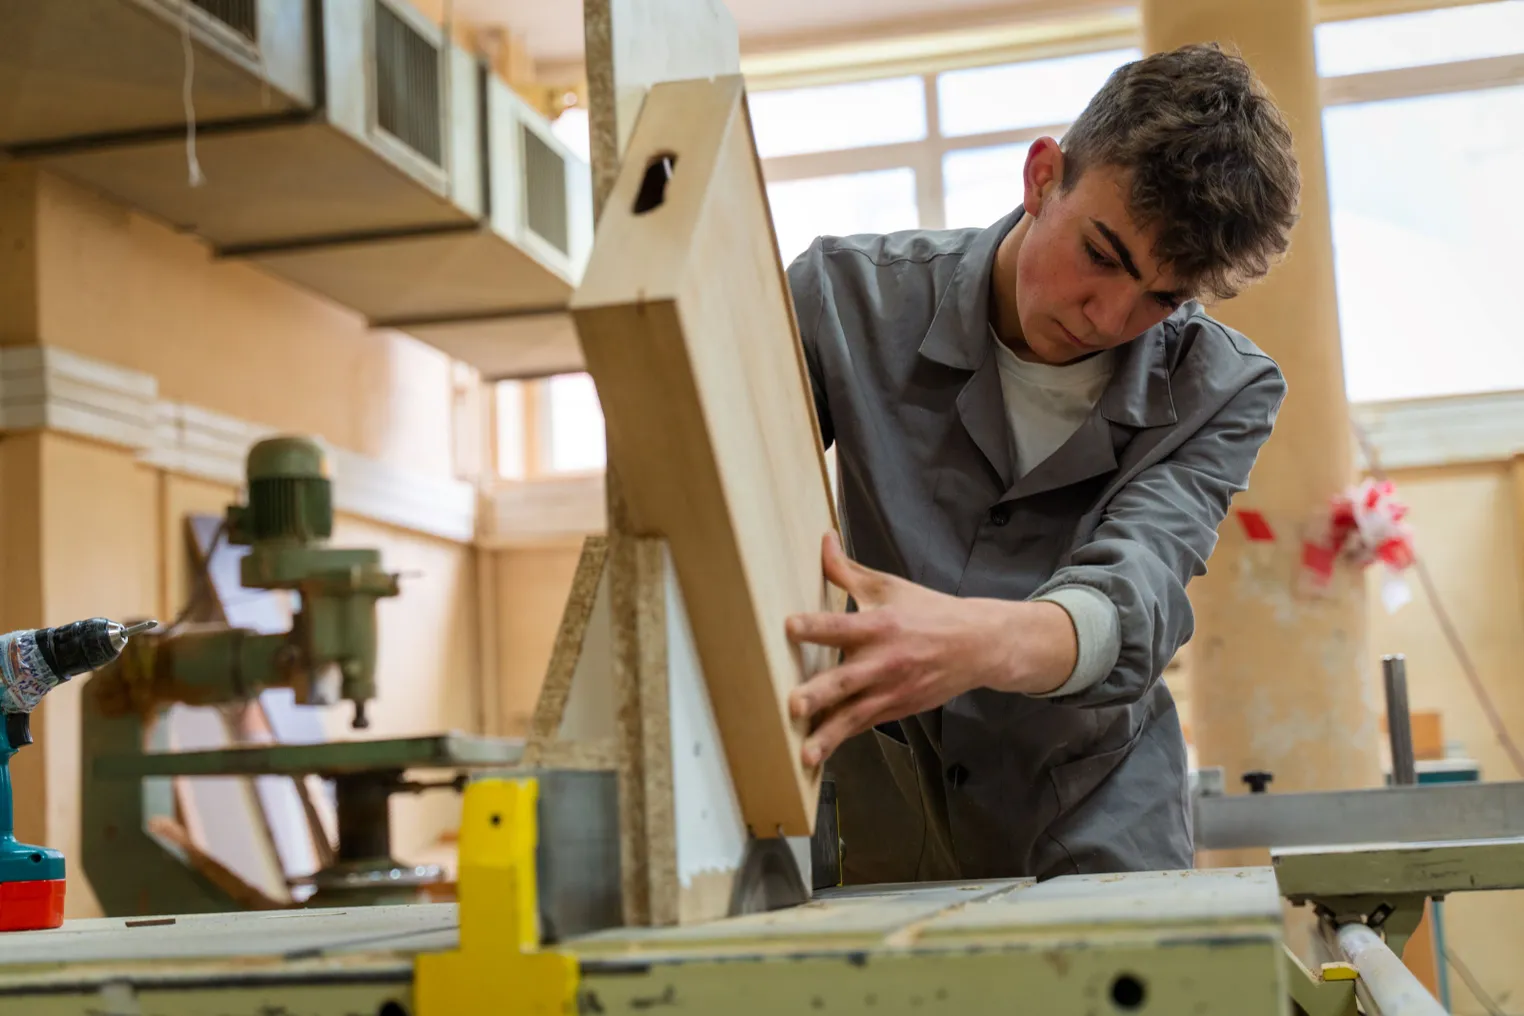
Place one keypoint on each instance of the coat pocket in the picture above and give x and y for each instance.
(1074, 781)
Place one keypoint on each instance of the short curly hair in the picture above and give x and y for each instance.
(1211, 159)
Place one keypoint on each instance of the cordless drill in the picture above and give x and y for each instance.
(33, 662)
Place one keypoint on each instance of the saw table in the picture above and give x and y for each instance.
(1179, 942)
(1203, 941)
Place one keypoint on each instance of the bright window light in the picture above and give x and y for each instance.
(1425, 242)
(510, 429)
(1035, 93)
(832, 117)
(981, 185)
(576, 436)
(1419, 39)
(571, 128)
(880, 201)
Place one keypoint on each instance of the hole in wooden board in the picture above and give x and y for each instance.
(653, 186)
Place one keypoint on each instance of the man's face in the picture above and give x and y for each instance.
(1086, 279)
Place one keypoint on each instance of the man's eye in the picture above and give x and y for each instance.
(1096, 256)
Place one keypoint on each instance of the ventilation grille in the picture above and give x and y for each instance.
(407, 85)
(239, 15)
(545, 191)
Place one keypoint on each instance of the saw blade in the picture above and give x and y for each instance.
(769, 879)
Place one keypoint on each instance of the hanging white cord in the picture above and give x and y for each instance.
(187, 97)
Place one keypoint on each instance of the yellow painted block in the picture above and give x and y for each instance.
(498, 967)
(1340, 972)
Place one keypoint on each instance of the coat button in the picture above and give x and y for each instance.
(1000, 515)
(957, 774)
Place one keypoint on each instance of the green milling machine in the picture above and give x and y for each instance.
(135, 864)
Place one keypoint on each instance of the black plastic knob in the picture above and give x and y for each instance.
(1258, 780)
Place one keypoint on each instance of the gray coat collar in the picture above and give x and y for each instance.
(959, 337)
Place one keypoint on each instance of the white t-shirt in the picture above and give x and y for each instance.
(1044, 406)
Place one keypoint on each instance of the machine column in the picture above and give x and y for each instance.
(1282, 682)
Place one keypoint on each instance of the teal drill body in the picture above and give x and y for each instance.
(18, 861)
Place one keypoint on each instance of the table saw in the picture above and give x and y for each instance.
(1205, 941)
(1176, 942)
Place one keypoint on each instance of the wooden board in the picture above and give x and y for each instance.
(688, 331)
(634, 44)
(623, 661)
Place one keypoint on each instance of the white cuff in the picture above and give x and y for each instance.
(1098, 631)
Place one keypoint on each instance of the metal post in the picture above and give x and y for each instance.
(1390, 986)
(1394, 670)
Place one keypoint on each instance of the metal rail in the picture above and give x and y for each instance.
(1386, 984)
(1455, 811)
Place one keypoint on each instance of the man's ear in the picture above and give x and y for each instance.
(1042, 175)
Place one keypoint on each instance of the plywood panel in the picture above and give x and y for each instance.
(689, 333)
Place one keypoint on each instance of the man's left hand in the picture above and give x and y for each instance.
(909, 649)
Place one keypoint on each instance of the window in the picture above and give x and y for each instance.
(874, 202)
(1425, 221)
(548, 427)
(1423, 166)
(1038, 93)
(867, 158)
(1446, 35)
(512, 434)
(982, 184)
(838, 116)
(573, 424)
(571, 127)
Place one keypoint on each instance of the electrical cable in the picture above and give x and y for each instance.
(1493, 1009)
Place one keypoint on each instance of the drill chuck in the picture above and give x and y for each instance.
(83, 646)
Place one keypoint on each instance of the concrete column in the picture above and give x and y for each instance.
(1281, 682)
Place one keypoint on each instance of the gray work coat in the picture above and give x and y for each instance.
(900, 354)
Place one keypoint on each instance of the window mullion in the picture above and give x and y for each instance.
(929, 192)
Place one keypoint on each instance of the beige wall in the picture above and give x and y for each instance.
(223, 335)
(1467, 524)
(531, 591)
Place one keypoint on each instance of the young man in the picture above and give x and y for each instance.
(1038, 430)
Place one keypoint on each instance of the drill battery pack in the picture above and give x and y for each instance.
(30, 906)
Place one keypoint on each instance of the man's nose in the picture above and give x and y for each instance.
(1108, 310)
